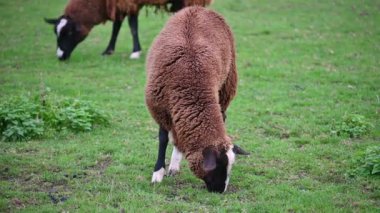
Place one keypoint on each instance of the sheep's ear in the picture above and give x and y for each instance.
(239, 151)
(209, 159)
(51, 21)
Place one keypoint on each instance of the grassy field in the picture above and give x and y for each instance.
(303, 66)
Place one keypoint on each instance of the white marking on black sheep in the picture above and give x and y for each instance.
(59, 53)
(60, 25)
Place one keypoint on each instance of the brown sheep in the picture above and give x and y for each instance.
(191, 79)
(80, 16)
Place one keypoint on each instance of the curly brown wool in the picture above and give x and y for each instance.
(191, 80)
(93, 12)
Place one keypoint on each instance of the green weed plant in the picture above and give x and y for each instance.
(367, 163)
(20, 119)
(352, 125)
(25, 118)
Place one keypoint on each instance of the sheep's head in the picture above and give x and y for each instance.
(69, 35)
(215, 167)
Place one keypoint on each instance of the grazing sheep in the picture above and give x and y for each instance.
(80, 16)
(191, 79)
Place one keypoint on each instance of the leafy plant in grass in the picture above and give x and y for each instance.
(352, 125)
(75, 115)
(20, 119)
(25, 118)
(367, 163)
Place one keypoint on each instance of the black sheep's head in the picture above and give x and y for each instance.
(217, 165)
(69, 35)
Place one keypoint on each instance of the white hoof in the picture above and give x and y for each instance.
(158, 175)
(135, 55)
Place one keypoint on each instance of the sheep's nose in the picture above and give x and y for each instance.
(60, 53)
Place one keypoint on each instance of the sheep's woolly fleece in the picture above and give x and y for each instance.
(116, 9)
(191, 79)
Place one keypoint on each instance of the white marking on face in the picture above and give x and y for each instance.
(226, 183)
(158, 175)
(61, 24)
(135, 55)
(59, 52)
(175, 161)
(231, 160)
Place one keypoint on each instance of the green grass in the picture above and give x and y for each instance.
(303, 66)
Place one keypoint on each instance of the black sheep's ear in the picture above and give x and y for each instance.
(209, 159)
(239, 151)
(51, 21)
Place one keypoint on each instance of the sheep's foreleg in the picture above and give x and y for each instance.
(175, 162)
(115, 32)
(159, 169)
(133, 25)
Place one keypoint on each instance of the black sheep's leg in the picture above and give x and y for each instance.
(115, 31)
(159, 168)
(133, 25)
(224, 116)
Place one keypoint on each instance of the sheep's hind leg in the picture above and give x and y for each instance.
(115, 32)
(159, 169)
(175, 162)
(133, 25)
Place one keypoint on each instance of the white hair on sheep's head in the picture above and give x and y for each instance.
(59, 52)
(62, 23)
(231, 160)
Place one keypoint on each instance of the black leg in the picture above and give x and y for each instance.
(133, 25)
(176, 6)
(224, 116)
(163, 138)
(115, 31)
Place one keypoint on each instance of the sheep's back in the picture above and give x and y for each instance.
(194, 42)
